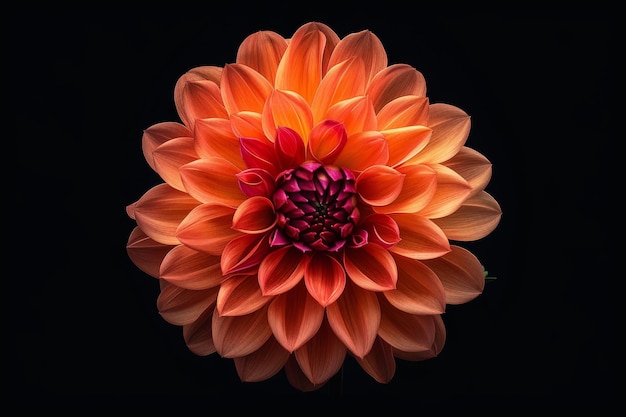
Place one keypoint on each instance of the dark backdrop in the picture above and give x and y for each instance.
(84, 330)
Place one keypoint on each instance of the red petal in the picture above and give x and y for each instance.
(281, 270)
(243, 254)
(255, 215)
(259, 153)
(324, 278)
(381, 229)
(256, 182)
(289, 148)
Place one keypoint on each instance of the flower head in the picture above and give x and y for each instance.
(310, 196)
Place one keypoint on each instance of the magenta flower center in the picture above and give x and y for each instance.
(315, 206)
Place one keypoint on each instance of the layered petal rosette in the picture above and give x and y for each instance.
(311, 194)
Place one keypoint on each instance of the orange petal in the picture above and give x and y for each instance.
(263, 363)
(255, 215)
(395, 81)
(435, 349)
(158, 134)
(324, 278)
(198, 335)
(452, 190)
(419, 290)
(331, 40)
(421, 237)
(473, 167)
(170, 156)
(181, 306)
(419, 187)
(379, 363)
(451, 127)
(379, 185)
(243, 89)
(355, 318)
(404, 331)
(262, 52)
(247, 124)
(243, 254)
(240, 295)
(213, 180)
(326, 141)
(160, 210)
(365, 45)
(294, 317)
(322, 356)
(381, 229)
(281, 270)
(147, 254)
(288, 109)
(297, 378)
(207, 228)
(190, 269)
(363, 150)
(197, 95)
(405, 142)
(371, 267)
(461, 274)
(403, 111)
(356, 114)
(236, 336)
(215, 138)
(476, 218)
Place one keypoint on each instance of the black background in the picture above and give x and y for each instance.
(84, 329)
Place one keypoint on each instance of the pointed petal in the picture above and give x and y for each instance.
(213, 180)
(404, 331)
(354, 318)
(263, 363)
(420, 185)
(395, 81)
(262, 52)
(405, 142)
(326, 141)
(356, 113)
(322, 356)
(197, 95)
(259, 153)
(147, 254)
(236, 336)
(381, 229)
(461, 274)
(281, 270)
(435, 349)
(289, 109)
(331, 40)
(371, 267)
(419, 290)
(476, 218)
(198, 335)
(255, 215)
(244, 254)
(473, 167)
(294, 317)
(215, 138)
(452, 190)
(240, 295)
(379, 363)
(207, 228)
(160, 210)
(190, 269)
(289, 148)
(363, 150)
(379, 185)
(159, 133)
(247, 124)
(170, 156)
(180, 306)
(243, 89)
(297, 378)
(365, 45)
(403, 111)
(421, 237)
(324, 278)
(256, 182)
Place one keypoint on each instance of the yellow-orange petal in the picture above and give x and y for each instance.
(294, 317)
(371, 267)
(356, 113)
(355, 318)
(255, 215)
(451, 127)
(363, 150)
(160, 210)
(263, 363)
(170, 156)
(236, 336)
(262, 51)
(473, 166)
(215, 138)
(395, 81)
(477, 217)
(404, 331)
(403, 111)
(365, 45)
(420, 237)
(406, 142)
(281, 270)
(379, 363)
(297, 378)
(343, 81)
(198, 335)
(146, 253)
(452, 190)
(243, 89)
(325, 278)
(207, 228)
(461, 274)
(379, 185)
(434, 350)
(419, 187)
(322, 356)
(247, 124)
(180, 306)
(239, 295)
(197, 95)
(192, 270)
(287, 109)
(419, 290)
(213, 180)
(159, 133)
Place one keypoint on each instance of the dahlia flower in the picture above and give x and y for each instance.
(310, 199)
